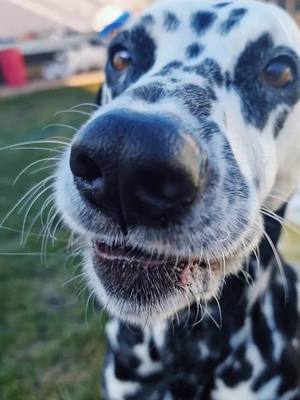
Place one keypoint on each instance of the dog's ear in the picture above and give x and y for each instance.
(103, 96)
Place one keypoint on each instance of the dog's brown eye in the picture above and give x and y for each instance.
(121, 60)
(279, 72)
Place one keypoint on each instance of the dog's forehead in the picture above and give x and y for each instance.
(220, 29)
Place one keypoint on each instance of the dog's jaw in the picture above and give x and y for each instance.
(196, 284)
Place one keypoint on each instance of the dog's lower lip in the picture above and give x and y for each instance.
(126, 271)
(129, 254)
(133, 255)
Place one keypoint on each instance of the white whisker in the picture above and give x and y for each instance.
(32, 142)
(73, 111)
(61, 126)
(30, 207)
(279, 263)
(85, 104)
(43, 182)
(32, 165)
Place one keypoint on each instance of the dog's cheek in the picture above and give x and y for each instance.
(268, 168)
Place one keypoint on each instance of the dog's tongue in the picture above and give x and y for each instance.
(186, 277)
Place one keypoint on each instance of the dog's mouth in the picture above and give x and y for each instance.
(140, 258)
(134, 275)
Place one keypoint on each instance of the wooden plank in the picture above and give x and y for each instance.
(41, 85)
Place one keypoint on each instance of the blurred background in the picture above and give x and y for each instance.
(52, 54)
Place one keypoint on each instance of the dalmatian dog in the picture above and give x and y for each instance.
(176, 186)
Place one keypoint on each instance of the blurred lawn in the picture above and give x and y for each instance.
(50, 346)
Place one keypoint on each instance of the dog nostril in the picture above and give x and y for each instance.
(83, 166)
(154, 186)
(162, 192)
(169, 190)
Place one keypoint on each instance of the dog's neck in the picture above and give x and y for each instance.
(236, 285)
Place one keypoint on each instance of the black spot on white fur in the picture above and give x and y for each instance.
(152, 93)
(194, 50)
(222, 5)
(147, 20)
(233, 20)
(201, 21)
(171, 22)
(280, 121)
(169, 68)
(237, 371)
(208, 69)
(261, 331)
(198, 100)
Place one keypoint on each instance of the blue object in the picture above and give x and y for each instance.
(118, 23)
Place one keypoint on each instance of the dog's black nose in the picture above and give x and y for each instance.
(138, 168)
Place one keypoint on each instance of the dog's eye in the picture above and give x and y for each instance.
(279, 72)
(121, 59)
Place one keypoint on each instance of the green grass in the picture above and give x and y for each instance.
(50, 346)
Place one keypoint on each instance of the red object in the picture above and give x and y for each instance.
(13, 67)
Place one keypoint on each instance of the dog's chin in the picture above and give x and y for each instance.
(142, 288)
